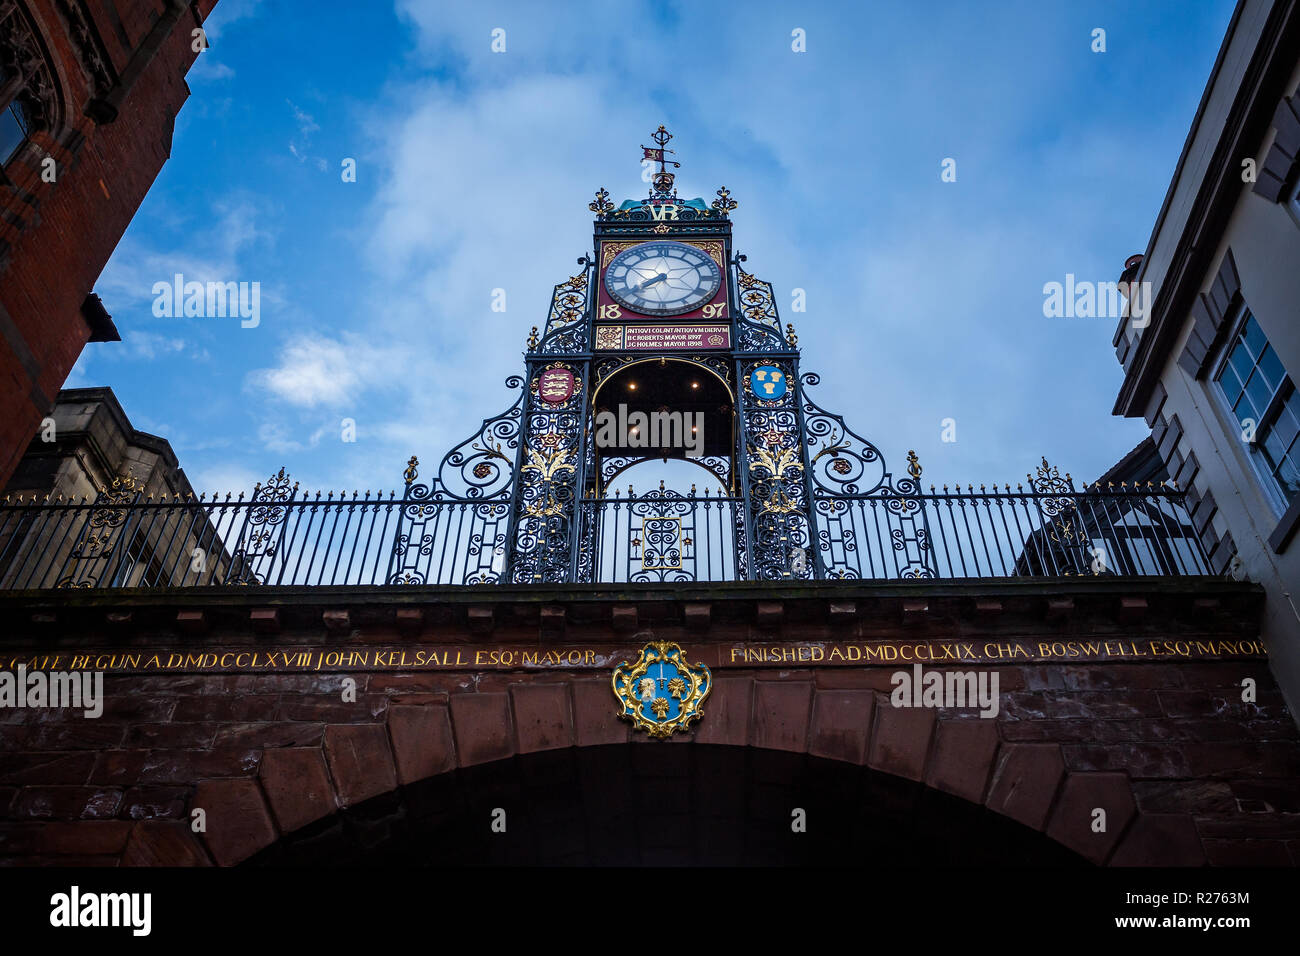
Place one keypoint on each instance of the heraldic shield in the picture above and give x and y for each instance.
(662, 692)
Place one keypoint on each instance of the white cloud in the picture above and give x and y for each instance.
(306, 125)
(226, 236)
(147, 345)
(317, 371)
(209, 68)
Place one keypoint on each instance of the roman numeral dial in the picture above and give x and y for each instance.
(662, 278)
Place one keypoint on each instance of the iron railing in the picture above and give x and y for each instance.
(113, 542)
(986, 534)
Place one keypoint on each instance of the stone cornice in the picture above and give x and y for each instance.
(708, 612)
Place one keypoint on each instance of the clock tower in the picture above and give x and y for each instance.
(662, 346)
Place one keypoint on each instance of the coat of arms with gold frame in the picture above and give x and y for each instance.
(662, 692)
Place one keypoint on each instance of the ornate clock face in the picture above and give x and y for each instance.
(662, 278)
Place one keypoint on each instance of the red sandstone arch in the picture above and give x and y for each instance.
(425, 734)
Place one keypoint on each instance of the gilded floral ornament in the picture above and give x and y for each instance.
(724, 203)
(601, 204)
(913, 465)
(548, 465)
(784, 459)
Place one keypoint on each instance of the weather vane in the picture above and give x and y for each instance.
(663, 180)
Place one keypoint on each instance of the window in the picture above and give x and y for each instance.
(140, 555)
(27, 91)
(1265, 404)
(13, 131)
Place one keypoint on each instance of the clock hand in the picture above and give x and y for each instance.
(649, 282)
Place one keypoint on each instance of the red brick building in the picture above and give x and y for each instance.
(89, 92)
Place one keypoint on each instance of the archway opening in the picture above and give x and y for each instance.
(659, 804)
(663, 409)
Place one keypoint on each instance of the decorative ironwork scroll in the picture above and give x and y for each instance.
(857, 500)
(99, 549)
(567, 325)
(455, 529)
(544, 520)
(759, 325)
(259, 542)
(1065, 540)
(775, 472)
(718, 466)
(662, 536)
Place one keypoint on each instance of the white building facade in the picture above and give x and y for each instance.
(1213, 364)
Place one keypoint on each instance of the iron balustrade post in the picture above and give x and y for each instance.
(814, 540)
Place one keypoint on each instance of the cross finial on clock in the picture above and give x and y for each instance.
(663, 180)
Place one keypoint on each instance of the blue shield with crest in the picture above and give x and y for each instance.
(768, 382)
(662, 692)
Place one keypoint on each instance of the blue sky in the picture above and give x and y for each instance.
(474, 170)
